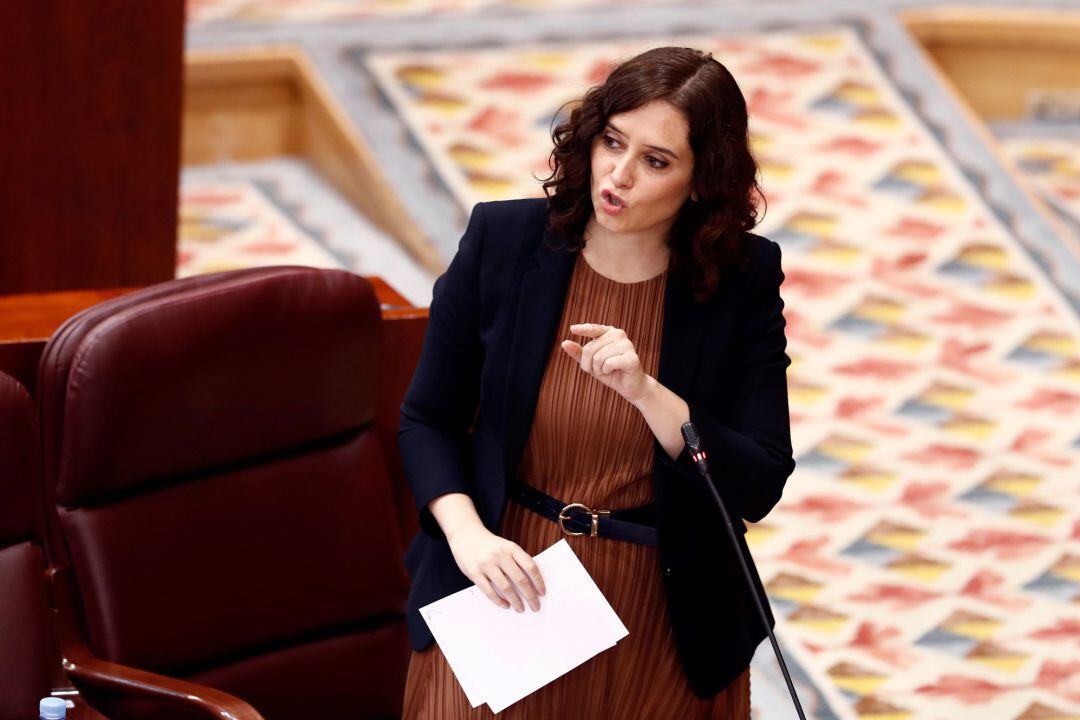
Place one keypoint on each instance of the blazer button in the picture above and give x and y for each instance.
(667, 571)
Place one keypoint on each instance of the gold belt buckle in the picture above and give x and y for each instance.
(596, 514)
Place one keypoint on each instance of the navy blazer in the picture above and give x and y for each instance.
(468, 413)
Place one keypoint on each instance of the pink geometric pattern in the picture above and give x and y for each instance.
(230, 225)
(1053, 165)
(925, 559)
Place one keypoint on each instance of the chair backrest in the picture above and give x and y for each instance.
(29, 659)
(214, 480)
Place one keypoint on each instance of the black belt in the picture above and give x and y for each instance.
(637, 525)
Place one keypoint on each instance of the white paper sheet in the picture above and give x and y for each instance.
(500, 655)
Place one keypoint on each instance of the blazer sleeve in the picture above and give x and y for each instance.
(440, 405)
(750, 459)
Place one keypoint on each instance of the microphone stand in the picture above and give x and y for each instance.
(693, 443)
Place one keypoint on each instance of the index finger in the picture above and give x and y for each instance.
(589, 328)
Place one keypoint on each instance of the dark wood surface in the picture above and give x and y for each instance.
(403, 337)
(28, 320)
(90, 149)
(35, 316)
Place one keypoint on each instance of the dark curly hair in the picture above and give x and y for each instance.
(707, 240)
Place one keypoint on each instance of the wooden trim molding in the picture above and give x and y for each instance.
(980, 30)
(269, 101)
(1001, 59)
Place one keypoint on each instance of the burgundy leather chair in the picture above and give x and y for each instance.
(30, 661)
(215, 485)
(29, 656)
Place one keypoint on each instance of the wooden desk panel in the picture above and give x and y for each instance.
(27, 321)
(91, 168)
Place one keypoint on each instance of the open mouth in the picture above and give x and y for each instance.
(611, 198)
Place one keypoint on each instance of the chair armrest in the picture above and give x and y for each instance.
(86, 670)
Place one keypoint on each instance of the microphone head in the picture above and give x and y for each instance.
(690, 435)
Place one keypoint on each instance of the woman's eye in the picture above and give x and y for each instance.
(653, 162)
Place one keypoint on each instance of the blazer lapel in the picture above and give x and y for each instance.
(681, 349)
(680, 342)
(541, 297)
(540, 301)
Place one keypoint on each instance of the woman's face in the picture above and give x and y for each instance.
(644, 157)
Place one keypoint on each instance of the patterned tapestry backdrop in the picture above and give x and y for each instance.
(926, 550)
(925, 559)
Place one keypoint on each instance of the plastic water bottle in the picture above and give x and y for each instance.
(52, 708)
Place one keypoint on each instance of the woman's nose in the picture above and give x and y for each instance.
(622, 173)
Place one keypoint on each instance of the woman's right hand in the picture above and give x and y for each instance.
(499, 567)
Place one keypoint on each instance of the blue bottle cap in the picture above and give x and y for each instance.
(52, 708)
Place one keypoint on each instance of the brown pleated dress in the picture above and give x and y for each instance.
(589, 445)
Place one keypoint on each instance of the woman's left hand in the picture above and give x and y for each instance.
(610, 358)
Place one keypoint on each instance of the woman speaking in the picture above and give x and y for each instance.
(568, 341)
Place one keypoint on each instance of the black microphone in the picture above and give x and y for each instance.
(697, 453)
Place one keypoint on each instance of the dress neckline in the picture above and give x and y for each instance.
(605, 278)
